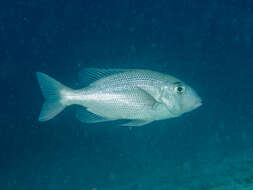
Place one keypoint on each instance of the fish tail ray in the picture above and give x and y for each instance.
(51, 91)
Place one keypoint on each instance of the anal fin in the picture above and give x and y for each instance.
(136, 123)
(88, 117)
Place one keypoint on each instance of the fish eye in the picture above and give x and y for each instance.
(179, 89)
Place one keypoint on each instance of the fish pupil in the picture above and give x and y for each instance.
(180, 89)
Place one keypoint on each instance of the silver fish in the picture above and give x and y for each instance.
(141, 96)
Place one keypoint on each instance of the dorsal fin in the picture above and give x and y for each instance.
(89, 75)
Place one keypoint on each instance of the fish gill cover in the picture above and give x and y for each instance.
(207, 44)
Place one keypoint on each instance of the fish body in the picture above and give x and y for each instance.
(141, 96)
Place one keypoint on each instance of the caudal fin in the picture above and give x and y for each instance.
(51, 91)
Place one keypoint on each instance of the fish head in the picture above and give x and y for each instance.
(179, 98)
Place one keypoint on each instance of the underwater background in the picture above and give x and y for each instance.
(206, 43)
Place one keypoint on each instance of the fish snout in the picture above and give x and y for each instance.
(198, 103)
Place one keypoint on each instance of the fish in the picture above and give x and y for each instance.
(137, 95)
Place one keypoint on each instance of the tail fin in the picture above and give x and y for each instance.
(51, 91)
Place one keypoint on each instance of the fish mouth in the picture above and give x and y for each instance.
(195, 105)
(198, 103)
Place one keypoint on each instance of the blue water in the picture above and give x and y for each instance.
(207, 44)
